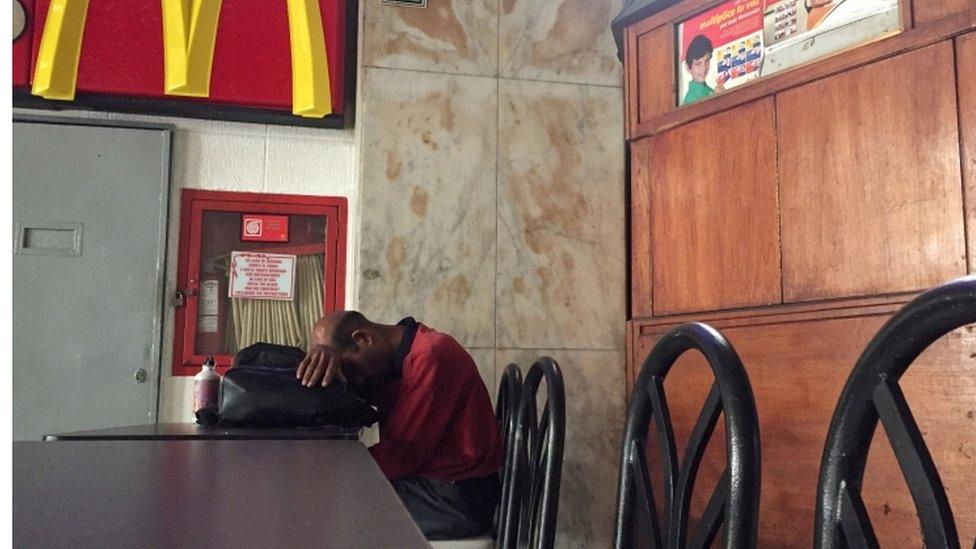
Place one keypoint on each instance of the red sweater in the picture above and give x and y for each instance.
(436, 420)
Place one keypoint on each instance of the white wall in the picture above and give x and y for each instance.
(229, 156)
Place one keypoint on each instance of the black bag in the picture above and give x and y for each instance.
(267, 355)
(270, 355)
(256, 396)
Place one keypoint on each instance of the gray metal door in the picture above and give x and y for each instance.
(89, 210)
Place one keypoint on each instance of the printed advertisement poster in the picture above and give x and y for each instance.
(740, 40)
(262, 276)
(720, 49)
(791, 19)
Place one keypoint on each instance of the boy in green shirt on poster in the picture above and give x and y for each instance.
(698, 58)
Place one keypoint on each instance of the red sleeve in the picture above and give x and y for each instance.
(420, 416)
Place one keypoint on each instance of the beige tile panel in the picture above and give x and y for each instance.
(485, 359)
(456, 36)
(427, 245)
(559, 40)
(561, 219)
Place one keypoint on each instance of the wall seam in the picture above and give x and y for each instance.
(497, 76)
(431, 71)
(779, 204)
(555, 348)
(963, 179)
(498, 123)
(562, 82)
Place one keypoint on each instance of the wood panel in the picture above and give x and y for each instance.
(909, 40)
(655, 73)
(870, 183)
(797, 371)
(713, 213)
(927, 11)
(640, 228)
(966, 67)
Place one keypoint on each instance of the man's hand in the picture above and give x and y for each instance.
(319, 365)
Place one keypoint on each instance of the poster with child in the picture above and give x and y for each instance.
(739, 40)
(720, 49)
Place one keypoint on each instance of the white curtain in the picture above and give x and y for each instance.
(281, 322)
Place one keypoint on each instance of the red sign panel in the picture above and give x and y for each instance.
(264, 228)
(122, 53)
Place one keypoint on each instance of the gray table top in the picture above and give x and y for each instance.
(188, 431)
(205, 493)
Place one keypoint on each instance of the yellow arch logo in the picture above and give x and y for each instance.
(189, 33)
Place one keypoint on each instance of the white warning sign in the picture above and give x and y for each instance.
(262, 276)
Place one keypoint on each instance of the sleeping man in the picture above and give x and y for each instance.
(439, 445)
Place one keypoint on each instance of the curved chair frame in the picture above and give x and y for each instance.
(871, 394)
(533, 497)
(735, 499)
(506, 410)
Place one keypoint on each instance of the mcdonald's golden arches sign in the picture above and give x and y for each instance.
(277, 61)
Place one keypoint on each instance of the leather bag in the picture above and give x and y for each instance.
(261, 390)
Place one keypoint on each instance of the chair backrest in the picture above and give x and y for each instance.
(872, 393)
(506, 408)
(533, 495)
(735, 499)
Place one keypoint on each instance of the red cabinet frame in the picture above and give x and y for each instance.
(194, 203)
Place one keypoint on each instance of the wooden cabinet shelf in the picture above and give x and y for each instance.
(796, 214)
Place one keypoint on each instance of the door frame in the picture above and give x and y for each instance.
(162, 227)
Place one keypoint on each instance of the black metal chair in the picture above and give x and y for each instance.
(735, 499)
(872, 393)
(533, 496)
(506, 408)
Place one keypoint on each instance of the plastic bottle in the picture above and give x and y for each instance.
(206, 385)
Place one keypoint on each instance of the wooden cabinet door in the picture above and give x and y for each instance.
(928, 11)
(797, 367)
(870, 185)
(714, 239)
(654, 73)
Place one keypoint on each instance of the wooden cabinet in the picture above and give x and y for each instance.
(966, 69)
(713, 213)
(796, 214)
(928, 11)
(797, 366)
(870, 180)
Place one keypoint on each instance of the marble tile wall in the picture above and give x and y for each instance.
(559, 40)
(492, 205)
(428, 201)
(560, 281)
(449, 36)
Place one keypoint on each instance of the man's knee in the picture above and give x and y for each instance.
(440, 508)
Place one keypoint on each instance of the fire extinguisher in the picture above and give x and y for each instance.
(211, 310)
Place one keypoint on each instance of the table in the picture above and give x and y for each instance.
(190, 431)
(205, 493)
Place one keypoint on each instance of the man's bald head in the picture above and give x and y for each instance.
(335, 329)
(365, 351)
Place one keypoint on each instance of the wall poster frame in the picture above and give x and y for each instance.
(736, 42)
